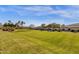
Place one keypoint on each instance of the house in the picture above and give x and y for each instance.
(73, 26)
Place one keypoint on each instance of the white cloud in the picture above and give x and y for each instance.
(43, 11)
(46, 10)
(38, 8)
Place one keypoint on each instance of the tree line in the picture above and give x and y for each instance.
(52, 25)
(18, 24)
(9, 26)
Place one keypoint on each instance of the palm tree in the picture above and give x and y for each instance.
(9, 21)
(22, 23)
(19, 24)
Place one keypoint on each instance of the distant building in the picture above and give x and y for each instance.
(73, 26)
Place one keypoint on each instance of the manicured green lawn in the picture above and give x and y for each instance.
(38, 42)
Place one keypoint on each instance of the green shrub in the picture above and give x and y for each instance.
(9, 29)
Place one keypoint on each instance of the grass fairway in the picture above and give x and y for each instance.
(35, 42)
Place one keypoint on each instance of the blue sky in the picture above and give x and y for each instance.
(38, 14)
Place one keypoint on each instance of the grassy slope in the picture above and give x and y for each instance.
(31, 41)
